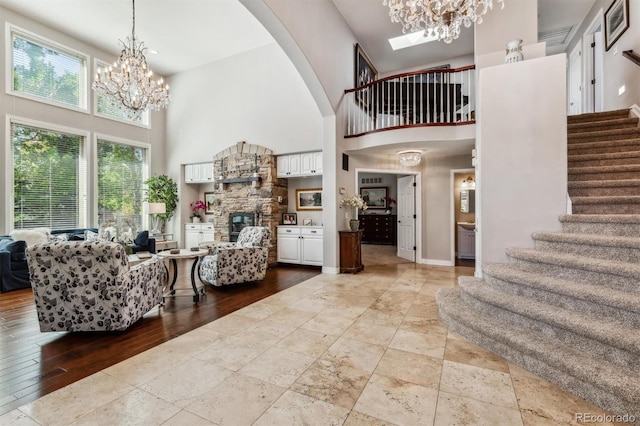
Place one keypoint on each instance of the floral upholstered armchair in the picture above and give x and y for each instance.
(89, 286)
(239, 262)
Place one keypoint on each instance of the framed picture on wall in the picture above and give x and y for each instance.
(309, 199)
(616, 22)
(209, 202)
(289, 219)
(375, 197)
(365, 72)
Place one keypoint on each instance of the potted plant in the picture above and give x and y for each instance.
(356, 202)
(196, 206)
(162, 189)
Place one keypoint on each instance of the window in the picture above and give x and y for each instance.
(47, 71)
(122, 170)
(49, 177)
(105, 109)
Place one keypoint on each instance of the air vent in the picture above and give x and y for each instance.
(556, 37)
(371, 180)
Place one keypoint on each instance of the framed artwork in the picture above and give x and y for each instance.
(375, 197)
(289, 219)
(309, 199)
(209, 202)
(365, 72)
(616, 22)
(306, 222)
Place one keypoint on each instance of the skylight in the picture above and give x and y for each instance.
(412, 39)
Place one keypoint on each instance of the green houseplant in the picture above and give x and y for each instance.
(162, 189)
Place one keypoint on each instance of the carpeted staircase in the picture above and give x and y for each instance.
(569, 309)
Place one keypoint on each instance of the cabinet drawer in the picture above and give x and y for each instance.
(206, 227)
(284, 230)
(195, 226)
(311, 232)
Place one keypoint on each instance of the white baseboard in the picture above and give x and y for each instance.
(330, 270)
(438, 262)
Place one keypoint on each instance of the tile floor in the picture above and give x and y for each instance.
(364, 349)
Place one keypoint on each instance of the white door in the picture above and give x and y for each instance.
(598, 53)
(406, 218)
(575, 81)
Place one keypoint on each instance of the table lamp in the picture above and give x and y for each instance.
(154, 210)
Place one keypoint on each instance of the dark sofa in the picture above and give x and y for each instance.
(14, 272)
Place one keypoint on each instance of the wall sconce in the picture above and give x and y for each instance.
(468, 183)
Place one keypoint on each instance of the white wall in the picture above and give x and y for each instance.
(518, 20)
(522, 153)
(24, 108)
(618, 70)
(304, 183)
(257, 96)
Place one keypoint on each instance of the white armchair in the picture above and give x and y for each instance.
(89, 286)
(242, 261)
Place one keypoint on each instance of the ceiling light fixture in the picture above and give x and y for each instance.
(410, 158)
(468, 183)
(128, 84)
(441, 18)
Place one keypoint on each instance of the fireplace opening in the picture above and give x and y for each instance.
(237, 221)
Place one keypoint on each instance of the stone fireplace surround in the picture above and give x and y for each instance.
(237, 189)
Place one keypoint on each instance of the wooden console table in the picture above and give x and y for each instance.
(351, 251)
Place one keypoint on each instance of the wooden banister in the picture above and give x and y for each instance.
(633, 58)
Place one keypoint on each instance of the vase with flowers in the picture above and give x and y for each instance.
(356, 202)
(390, 202)
(196, 207)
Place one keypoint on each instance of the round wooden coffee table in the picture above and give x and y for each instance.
(184, 254)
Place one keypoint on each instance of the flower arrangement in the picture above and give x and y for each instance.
(196, 206)
(354, 201)
(390, 201)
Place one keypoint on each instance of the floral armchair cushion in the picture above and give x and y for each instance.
(243, 262)
(89, 286)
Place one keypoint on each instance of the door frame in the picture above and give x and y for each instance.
(417, 201)
(588, 73)
(452, 209)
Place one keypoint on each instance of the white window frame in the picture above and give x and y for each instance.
(146, 116)
(83, 96)
(84, 153)
(94, 169)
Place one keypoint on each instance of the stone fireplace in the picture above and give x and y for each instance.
(237, 221)
(246, 182)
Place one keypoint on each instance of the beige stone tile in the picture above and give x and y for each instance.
(367, 332)
(231, 324)
(516, 370)
(409, 367)
(17, 418)
(358, 419)
(277, 329)
(329, 321)
(186, 381)
(307, 342)
(380, 317)
(239, 400)
(424, 344)
(278, 366)
(70, 403)
(546, 401)
(331, 382)
(194, 341)
(423, 325)
(186, 418)
(398, 402)
(466, 352)
(293, 408)
(460, 410)
(258, 310)
(424, 310)
(355, 354)
(236, 352)
(478, 383)
(291, 317)
(134, 408)
(309, 304)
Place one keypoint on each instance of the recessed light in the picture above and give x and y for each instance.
(412, 39)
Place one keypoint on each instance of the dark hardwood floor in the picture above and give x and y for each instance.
(33, 364)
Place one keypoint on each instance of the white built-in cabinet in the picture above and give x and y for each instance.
(305, 164)
(196, 233)
(198, 173)
(300, 244)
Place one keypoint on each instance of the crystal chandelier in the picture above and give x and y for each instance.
(439, 18)
(128, 84)
(410, 158)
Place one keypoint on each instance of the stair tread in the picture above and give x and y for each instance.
(590, 239)
(613, 123)
(610, 332)
(604, 374)
(581, 290)
(603, 144)
(603, 133)
(575, 261)
(605, 183)
(606, 199)
(597, 116)
(603, 156)
(605, 169)
(600, 218)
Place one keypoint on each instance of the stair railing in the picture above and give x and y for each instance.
(441, 97)
(631, 56)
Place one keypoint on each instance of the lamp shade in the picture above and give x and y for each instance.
(157, 208)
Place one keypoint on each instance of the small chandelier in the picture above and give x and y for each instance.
(410, 158)
(128, 84)
(438, 18)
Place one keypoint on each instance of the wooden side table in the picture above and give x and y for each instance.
(351, 251)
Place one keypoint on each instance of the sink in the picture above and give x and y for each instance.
(467, 225)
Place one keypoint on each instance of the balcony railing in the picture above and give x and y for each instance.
(424, 98)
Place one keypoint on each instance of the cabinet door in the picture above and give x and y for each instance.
(289, 248)
(307, 163)
(191, 238)
(197, 173)
(188, 172)
(317, 156)
(312, 251)
(282, 164)
(206, 172)
(294, 165)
